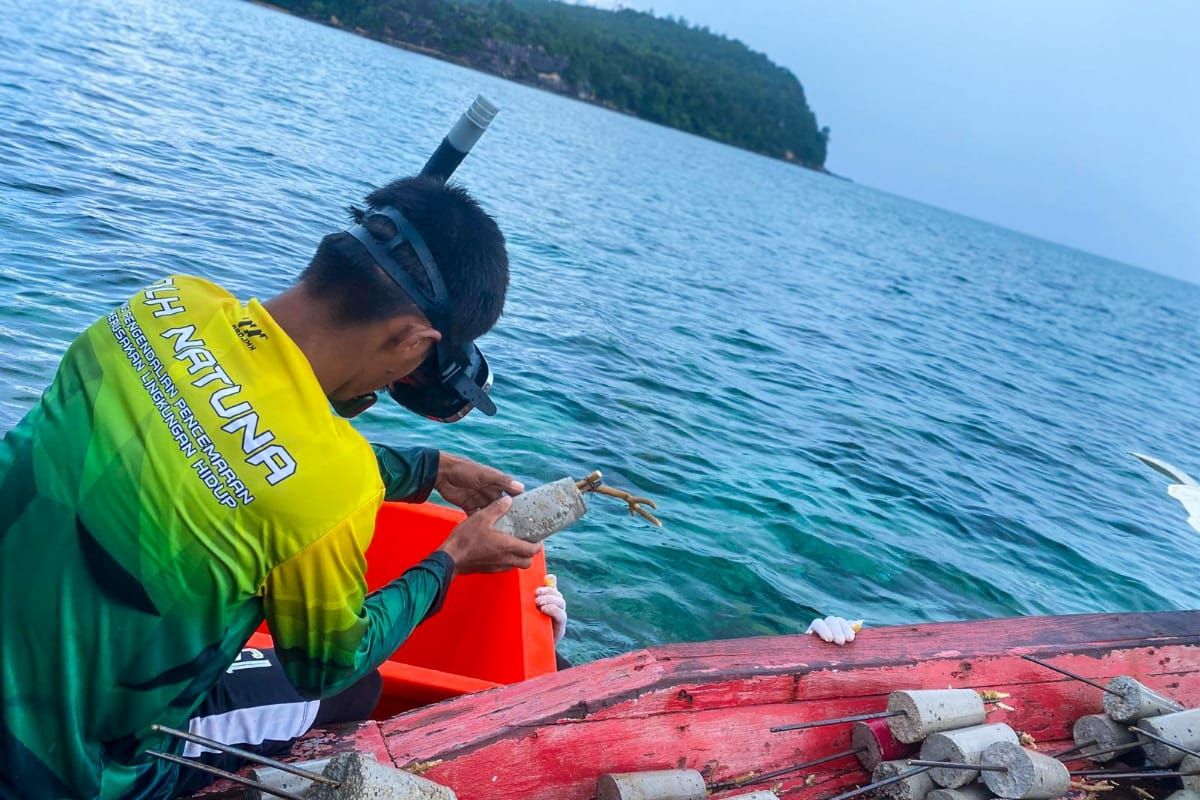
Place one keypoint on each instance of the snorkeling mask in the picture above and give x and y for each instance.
(455, 377)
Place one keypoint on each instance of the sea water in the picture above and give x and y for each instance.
(844, 401)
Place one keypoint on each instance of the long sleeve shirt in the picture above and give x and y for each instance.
(181, 480)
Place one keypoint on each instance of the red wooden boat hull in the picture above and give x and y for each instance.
(709, 705)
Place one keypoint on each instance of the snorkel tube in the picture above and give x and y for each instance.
(461, 138)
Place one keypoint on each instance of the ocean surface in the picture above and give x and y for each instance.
(844, 401)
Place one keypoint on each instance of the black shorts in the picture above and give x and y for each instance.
(254, 707)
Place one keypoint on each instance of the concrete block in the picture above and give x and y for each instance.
(927, 711)
(1182, 727)
(1106, 732)
(1190, 764)
(1134, 700)
(669, 784)
(914, 787)
(1030, 775)
(361, 777)
(964, 746)
(972, 791)
(876, 744)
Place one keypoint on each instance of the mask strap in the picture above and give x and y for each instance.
(384, 259)
(436, 307)
(407, 232)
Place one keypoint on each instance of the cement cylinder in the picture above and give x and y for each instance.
(963, 746)
(1105, 732)
(1134, 700)
(1190, 764)
(361, 777)
(538, 513)
(1184, 794)
(972, 791)
(668, 784)
(1030, 775)
(915, 787)
(1182, 728)
(926, 711)
(283, 781)
(875, 743)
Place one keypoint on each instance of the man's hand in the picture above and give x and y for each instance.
(476, 545)
(471, 486)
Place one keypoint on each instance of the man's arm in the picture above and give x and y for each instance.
(328, 631)
(409, 473)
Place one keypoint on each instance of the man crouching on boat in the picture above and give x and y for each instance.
(183, 479)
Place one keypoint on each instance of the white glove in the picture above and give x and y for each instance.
(835, 629)
(550, 602)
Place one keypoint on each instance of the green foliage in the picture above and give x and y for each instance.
(663, 70)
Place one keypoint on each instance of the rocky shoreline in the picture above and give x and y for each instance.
(527, 64)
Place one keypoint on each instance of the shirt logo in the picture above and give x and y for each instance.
(247, 330)
(249, 658)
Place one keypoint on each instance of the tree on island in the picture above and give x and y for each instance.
(660, 69)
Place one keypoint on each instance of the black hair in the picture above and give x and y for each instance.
(465, 242)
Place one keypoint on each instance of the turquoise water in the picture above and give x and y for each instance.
(844, 401)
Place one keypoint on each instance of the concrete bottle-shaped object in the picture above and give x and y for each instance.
(540, 512)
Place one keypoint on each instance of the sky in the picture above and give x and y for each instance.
(1077, 121)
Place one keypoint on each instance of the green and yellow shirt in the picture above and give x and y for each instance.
(182, 479)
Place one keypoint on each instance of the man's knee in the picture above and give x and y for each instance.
(352, 705)
(269, 714)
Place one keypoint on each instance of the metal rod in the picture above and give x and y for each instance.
(917, 762)
(1156, 738)
(749, 780)
(820, 723)
(1070, 674)
(1075, 749)
(1110, 771)
(220, 773)
(221, 747)
(1097, 773)
(870, 787)
(1121, 748)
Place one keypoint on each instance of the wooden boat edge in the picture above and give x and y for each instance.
(761, 678)
(640, 672)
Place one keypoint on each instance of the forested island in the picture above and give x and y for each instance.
(660, 69)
